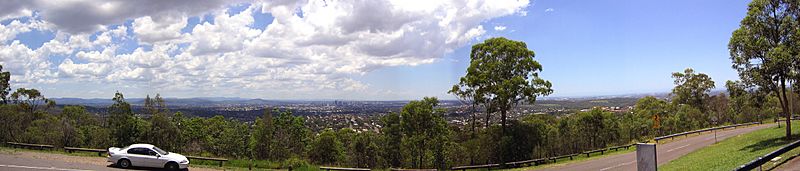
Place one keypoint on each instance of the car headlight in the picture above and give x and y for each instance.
(184, 161)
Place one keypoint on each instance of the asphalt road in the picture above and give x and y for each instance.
(666, 152)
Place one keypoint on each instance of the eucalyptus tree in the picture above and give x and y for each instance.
(764, 49)
(501, 74)
(5, 88)
(692, 88)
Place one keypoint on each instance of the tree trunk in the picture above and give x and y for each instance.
(472, 112)
(786, 112)
(503, 120)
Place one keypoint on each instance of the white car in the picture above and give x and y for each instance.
(146, 155)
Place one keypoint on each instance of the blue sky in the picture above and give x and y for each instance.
(357, 50)
(602, 47)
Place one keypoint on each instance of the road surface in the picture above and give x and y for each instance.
(666, 152)
(40, 161)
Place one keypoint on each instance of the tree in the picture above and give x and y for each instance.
(326, 148)
(764, 49)
(31, 99)
(290, 136)
(124, 127)
(261, 140)
(73, 118)
(691, 88)
(503, 73)
(424, 128)
(5, 88)
(392, 132)
(366, 152)
(746, 102)
(653, 109)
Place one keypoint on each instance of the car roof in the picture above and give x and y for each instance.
(141, 146)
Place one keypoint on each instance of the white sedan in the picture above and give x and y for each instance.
(146, 155)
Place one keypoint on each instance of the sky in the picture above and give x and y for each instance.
(353, 49)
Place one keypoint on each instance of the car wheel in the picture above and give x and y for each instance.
(172, 166)
(124, 163)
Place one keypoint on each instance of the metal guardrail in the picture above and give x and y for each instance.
(396, 169)
(342, 168)
(766, 158)
(702, 130)
(36, 146)
(540, 160)
(99, 152)
(220, 160)
(477, 166)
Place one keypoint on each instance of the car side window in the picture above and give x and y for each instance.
(142, 151)
(135, 151)
(150, 152)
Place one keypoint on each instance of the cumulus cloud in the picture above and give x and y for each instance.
(311, 49)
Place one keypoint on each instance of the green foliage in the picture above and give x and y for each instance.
(124, 127)
(30, 99)
(5, 87)
(13, 122)
(326, 149)
(290, 136)
(261, 139)
(691, 88)
(501, 74)
(764, 49)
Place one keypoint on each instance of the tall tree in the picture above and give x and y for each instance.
(261, 139)
(392, 139)
(124, 126)
(5, 88)
(326, 148)
(503, 73)
(764, 49)
(31, 99)
(424, 128)
(691, 88)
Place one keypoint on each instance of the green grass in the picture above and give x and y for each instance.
(735, 151)
(577, 158)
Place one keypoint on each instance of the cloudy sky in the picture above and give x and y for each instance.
(352, 49)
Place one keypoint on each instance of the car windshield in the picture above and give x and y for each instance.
(160, 151)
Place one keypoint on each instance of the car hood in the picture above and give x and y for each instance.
(175, 156)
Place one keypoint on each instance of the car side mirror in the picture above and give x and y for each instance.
(158, 155)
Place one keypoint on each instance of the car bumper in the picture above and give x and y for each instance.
(183, 165)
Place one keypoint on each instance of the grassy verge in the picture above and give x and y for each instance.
(578, 158)
(735, 151)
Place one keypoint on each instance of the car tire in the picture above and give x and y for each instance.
(172, 166)
(124, 163)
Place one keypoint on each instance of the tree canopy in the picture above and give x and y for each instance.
(501, 74)
(764, 49)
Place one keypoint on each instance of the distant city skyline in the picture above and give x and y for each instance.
(354, 50)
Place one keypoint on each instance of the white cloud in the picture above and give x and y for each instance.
(150, 31)
(549, 10)
(312, 49)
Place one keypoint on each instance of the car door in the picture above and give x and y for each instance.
(156, 160)
(142, 157)
(137, 157)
